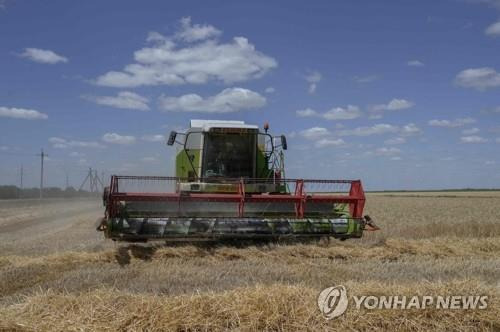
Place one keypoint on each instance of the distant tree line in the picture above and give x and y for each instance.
(12, 192)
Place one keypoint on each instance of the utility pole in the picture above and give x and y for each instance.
(21, 182)
(22, 173)
(42, 157)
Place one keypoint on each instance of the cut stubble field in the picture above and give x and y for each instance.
(58, 274)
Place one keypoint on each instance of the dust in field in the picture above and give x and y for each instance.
(33, 227)
(61, 275)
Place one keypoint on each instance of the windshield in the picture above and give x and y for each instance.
(229, 155)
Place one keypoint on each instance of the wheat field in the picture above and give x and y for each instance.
(58, 274)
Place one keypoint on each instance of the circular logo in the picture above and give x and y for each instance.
(332, 301)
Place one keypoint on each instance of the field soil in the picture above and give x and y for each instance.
(58, 274)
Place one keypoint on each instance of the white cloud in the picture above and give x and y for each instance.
(395, 141)
(493, 30)
(153, 138)
(493, 110)
(470, 131)
(324, 142)
(22, 113)
(43, 56)
(473, 139)
(382, 128)
(57, 140)
(336, 113)
(377, 111)
(306, 112)
(339, 113)
(321, 137)
(270, 89)
(394, 105)
(314, 133)
(490, 3)
(155, 37)
(365, 79)
(478, 78)
(387, 151)
(124, 99)
(410, 130)
(62, 143)
(168, 62)
(228, 100)
(460, 122)
(115, 138)
(415, 63)
(376, 129)
(397, 158)
(196, 32)
(497, 140)
(313, 79)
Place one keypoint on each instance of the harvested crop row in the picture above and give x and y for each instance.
(273, 307)
(388, 249)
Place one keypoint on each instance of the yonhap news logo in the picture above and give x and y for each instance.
(333, 302)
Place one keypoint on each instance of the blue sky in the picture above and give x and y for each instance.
(402, 94)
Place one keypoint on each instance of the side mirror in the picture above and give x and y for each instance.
(171, 138)
(284, 146)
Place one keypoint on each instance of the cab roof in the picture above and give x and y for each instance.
(206, 125)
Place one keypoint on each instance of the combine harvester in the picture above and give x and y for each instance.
(230, 184)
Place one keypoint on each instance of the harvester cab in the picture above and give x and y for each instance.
(212, 154)
(230, 183)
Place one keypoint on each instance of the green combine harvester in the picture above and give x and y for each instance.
(230, 184)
